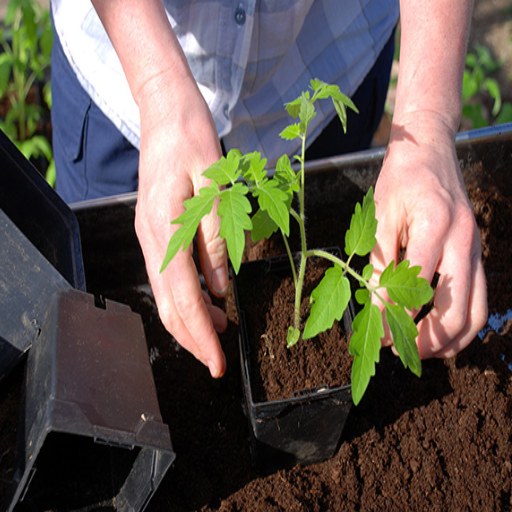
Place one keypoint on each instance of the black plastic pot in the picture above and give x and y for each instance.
(40, 252)
(304, 428)
(90, 433)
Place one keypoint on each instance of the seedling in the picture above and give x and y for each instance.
(235, 176)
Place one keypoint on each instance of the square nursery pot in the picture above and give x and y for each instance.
(305, 427)
(90, 436)
(90, 432)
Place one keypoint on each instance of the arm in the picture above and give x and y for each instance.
(420, 195)
(178, 141)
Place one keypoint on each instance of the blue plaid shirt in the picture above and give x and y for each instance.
(248, 57)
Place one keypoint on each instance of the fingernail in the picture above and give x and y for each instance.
(214, 370)
(220, 280)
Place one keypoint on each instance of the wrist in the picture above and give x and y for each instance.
(424, 127)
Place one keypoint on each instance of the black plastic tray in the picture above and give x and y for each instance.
(91, 434)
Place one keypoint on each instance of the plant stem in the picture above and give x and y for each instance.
(290, 256)
(342, 264)
(304, 251)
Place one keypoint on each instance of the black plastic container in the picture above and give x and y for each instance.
(305, 428)
(40, 252)
(27, 283)
(91, 435)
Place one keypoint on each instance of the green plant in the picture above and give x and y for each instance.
(478, 84)
(235, 175)
(26, 41)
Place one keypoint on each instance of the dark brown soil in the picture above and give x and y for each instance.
(277, 372)
(442, 442)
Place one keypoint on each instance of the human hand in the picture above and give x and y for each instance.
(178, 142)
(421, 205)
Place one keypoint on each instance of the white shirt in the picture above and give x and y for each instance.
(248, 57)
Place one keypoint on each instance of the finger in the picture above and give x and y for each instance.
(219, 319)
(449, 317)
(178, 295)
(185, 314)
(213, 254)
(385, 251)
(477, 317)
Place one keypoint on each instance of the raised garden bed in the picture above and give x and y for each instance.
(440, 442)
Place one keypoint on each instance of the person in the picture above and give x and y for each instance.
(163, 84)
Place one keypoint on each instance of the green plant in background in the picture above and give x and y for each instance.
(26, 41)
(479, 84)
(235, 175)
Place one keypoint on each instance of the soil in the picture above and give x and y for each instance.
(278, 372)
(442, 442)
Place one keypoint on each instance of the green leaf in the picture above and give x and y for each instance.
(5, 72)
(225, 170)
(404, 332)
(367, 272)
(329, 301)
(253, 167)
(365, 347)
(360, 238)
(293, 107)
(292, 337)
(492, 87)
(285, 175)
(306, 112)
(505, 116)
(362, 295)
(342, 113)
(262, 226)
(291, 132)
(274, 201)
(404, 287)
(195, 209)
(234, 208)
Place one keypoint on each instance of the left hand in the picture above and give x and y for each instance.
(422, 206)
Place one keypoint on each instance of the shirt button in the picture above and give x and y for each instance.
(240, 16)
(226, 111)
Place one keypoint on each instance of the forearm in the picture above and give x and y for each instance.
(146, 45)
(434, 38)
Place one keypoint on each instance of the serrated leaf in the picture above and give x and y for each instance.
(404, 287)
(285, 175)
(306, 112)
(292, 336)
(293, 107)
(360, 237)
(365, 347)
(274, 201)
(262, 226)
(195, 209)
(291, 132)
(404, 332)
(329, 301)
(342, 113)
(234, 208)
(316, 84)
(253, 167)
(225, 170)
